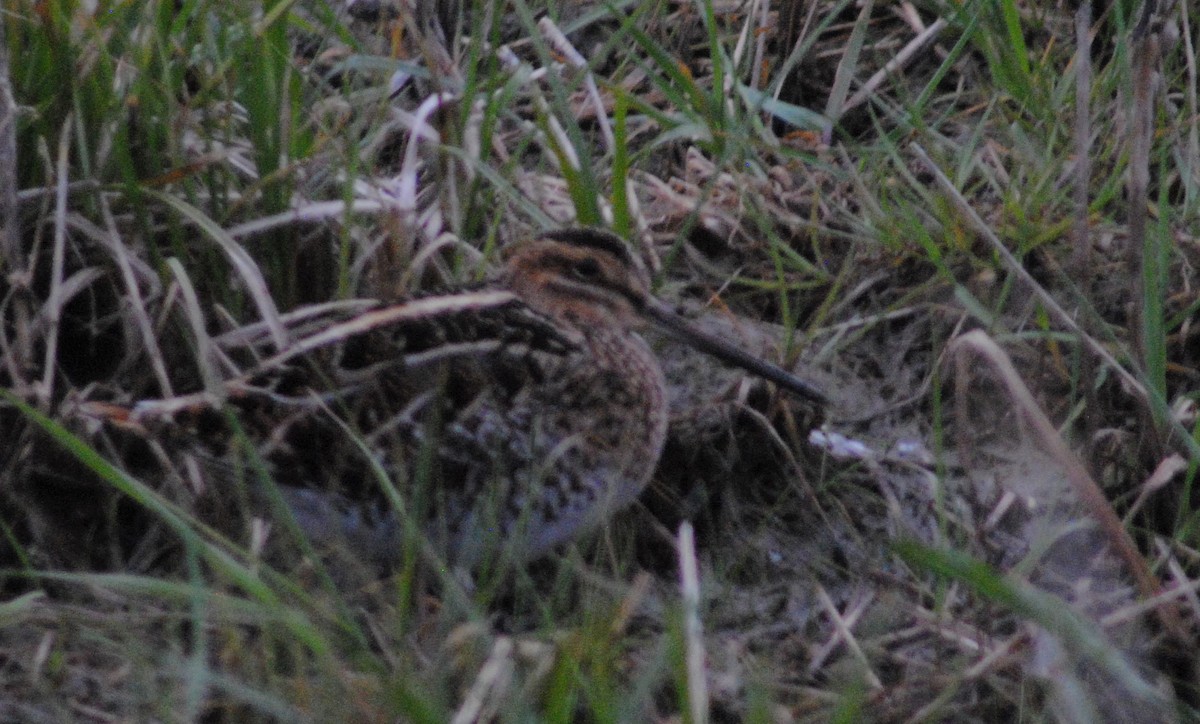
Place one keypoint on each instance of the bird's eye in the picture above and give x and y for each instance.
(587, 269)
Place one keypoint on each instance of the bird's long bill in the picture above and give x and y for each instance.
(686, 332)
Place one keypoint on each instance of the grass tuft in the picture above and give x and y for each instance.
(193, 191)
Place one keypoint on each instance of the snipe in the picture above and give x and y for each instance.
(526, 411)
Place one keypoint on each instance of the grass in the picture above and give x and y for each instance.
(185, 171)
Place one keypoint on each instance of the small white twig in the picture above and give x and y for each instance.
(854, 611)
(405, 199)
(842, 626)
(493, 676)
(561, 139)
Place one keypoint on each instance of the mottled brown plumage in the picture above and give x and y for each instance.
(522, 413)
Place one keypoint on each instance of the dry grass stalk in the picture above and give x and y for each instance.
(1081, 259)
(9, 229)
(1141, 138)
(693, 631)
(977, 346)
(52, 309)
(906, 54)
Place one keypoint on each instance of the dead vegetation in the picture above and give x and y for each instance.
(993, 521)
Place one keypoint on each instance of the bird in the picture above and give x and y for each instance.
(523, 412)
